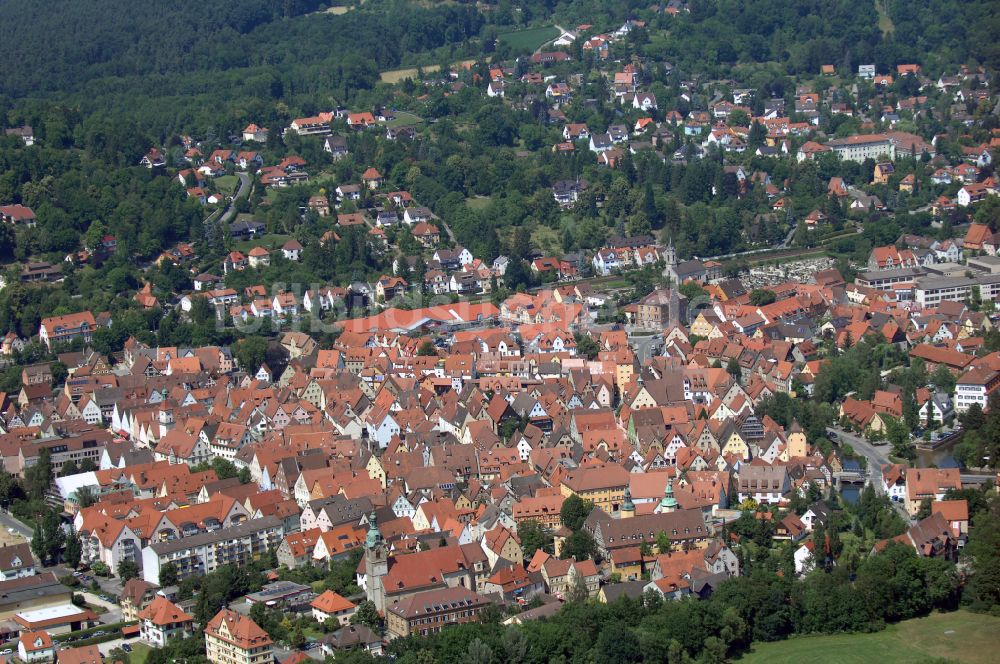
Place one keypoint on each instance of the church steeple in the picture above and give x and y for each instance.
(668, 503)
(374, 537)
(376, 563)
(628, 507)
(669, 253)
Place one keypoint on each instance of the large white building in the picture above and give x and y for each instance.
(200, 554)
(930, 291)
(864, 146)
(975, 386)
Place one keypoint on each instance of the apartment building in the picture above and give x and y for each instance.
(975, 386)
(87, 445)
(234, 639)
(63, 329)
(930, 291)
(429, 612)
(205, 552)
(861, 147)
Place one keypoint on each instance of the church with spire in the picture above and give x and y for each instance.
(677, 271)
(668, 503)
(376, 563)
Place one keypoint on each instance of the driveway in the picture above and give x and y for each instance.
(242, 191)
(561, 33)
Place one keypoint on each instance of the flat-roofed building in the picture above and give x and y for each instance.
(281, 593)
(32, 592)
(886, 279)
(929, 291)
(57, 619)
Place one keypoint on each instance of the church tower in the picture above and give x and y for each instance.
(798, 445)
(670, 262)
(376, 563)
(628, 507)
(668, 503)
(670, 254)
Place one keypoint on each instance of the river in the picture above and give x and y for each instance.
(940, 457)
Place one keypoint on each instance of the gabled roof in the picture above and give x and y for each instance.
(162, 612)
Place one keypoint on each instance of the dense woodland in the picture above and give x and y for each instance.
(102, 82)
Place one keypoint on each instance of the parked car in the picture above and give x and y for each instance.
(126, 647)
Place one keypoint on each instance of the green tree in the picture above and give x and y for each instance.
(168, 575)
(38, 477)
(533, 537)
(85, 496)
(427, 349)
(250, 352)
(899, 437)
(127, 569)
(586, 346)
(579, 545)
(366, 614)
(479, 652)
(578, 591)
(38, 546)
(574, 512)
(617, 644)
(982, 592)
(762, 297)
(53, 534)
(74, 549)
(943, 379)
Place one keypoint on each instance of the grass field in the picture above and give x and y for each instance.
(227, 183)
(404, 119)
(547, 240)
(397, 75)
(884, 20)
(959, 636)
(478, 202)
(270, 241)
(529, 40)
(140, 651)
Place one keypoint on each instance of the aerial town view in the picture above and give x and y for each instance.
(499, 331)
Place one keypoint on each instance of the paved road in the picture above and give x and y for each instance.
(8, 521)
(646, 346)
(876, 457)
(561, 33)
(242, 191)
